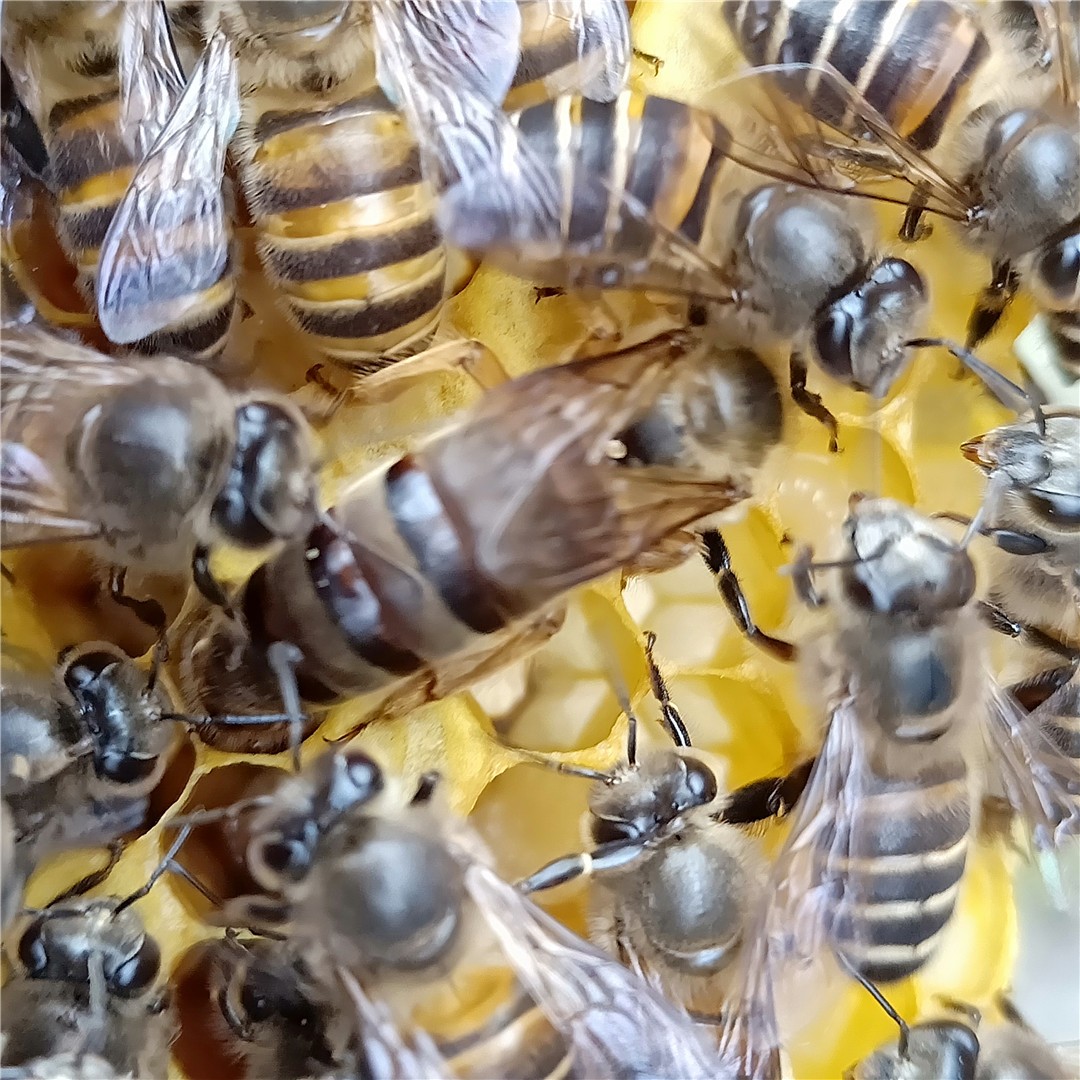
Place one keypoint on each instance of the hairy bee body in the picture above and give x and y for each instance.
(912, 60)
(71, 58)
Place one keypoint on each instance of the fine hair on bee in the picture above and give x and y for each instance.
(136, 170)
(916, 730)
(150, 460)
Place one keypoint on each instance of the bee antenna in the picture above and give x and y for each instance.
(159, 870)
(883, 1001)
(283, 658)
(669, 713)
(1005, 390)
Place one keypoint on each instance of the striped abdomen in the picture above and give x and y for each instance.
(396, 589)
(92, 166)
(346, 227)
(515, 1040)
(910, 59)
(897, 876)
(619, 167)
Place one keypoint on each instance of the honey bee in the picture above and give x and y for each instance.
(676, 879)
(916, 730)
(589, 195)
(87, 986)
(286, 1024)
(135, 169)
(150, 460)
(452, 560)
(953, 1047)
(562, 1004)
(81, 758)
(897, 78)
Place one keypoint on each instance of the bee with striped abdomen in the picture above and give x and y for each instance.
(145, 221)
(1003, 161)
(423, 578)
(917, 729)
(648, 193)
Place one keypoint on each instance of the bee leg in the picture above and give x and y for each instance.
(465, 355)
(546, 292)
(1009, 540)
(651, 61)
(207, 584)
(810, 403)
(991, 304)
(149, 612)
(669, 713)
(718, 560)
(610, 856)
(772, 797)
(913, 228)
(1002, 622)
(7, 575)
(96, 877)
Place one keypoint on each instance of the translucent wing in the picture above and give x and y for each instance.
(571, 46)
(1040, 782)
(807, 892)
(388, 1054)
(616, 1023)
(503, 196)
(858, 141)
(170, 238)
(548, 507)
(151, 78)
(475, 43)
(47, 382)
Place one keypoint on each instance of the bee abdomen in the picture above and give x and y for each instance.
(1061, 721)
(516, 1040)
(910, 59)
(395, 589)
(347, 228)
(622, 161)
(91, 168)
(897, 877)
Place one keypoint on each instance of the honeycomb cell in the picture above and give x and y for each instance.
(201, 1048)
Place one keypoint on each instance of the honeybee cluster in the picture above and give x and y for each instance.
(283, 617)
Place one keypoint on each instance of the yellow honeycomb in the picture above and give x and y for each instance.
(738, 703)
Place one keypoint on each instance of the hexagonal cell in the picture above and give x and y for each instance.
(202, 1048)
(214, 853)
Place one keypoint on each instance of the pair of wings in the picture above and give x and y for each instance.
(793, 932)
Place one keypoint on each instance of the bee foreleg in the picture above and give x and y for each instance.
(913, 229)
(810, 403)
(149, 612)
(96, 877)
(718, 560)
(610, 856)
(992, 302)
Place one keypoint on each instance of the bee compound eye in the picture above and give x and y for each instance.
(32, 952)
(137, 972)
